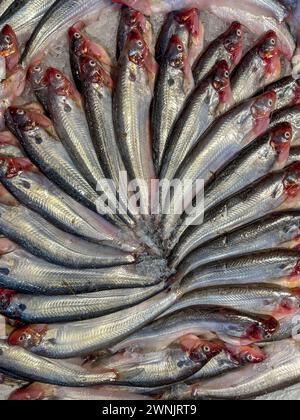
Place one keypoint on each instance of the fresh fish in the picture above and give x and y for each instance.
(53, 309)
(38, 392)
(281, 369)
(289, 115)
(25, 273)
(267, 154)
(287, 91)
(37, 135)
(24, 15)
(18, 362)
(276, 267)
(201, 109)
(254, 298)
(44, 240)
(230, 326)
(9, 49)
(60, 16)
(188, 26)
(266, 8)
(260, 67)
(276, 192)
(288, 328)
(36, 192)
(80, 45)
(229, 359)
(132, 19)
(277, 231)
(228, 46)
(173, 85)
(132, 100)
(163, 367)
(229, 135)
(84, 337)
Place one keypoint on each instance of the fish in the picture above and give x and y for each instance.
(199, 112)
(267, 8)
(162, 367)
(174, 83)
(233, 327)
(45, 240)
(27, 274)
(70, 308)
(10, 89)
(36, 134)
(231, 133)
(61, 15)
(10, 151)
(261, 299)
(289, 115)
(287, 92)
(39, 194)
(228, 46)
(276, 231)
(133, 19)
(260, 67)
(80, 45)
(20, 363)
(231, 358)
(132, 100)
(188, 26)
(24, 15)
(269, 153)
(85, 337)
(9, 49)
(280, 370)
(288, 328)
(271, 267)
(276, 192)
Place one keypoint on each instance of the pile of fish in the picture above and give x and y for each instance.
(99, 302)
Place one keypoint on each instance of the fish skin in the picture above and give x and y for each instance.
(163, 367)
(276, 192)
(132, 100)
(200, 111)
(61, 15)
(84, 337)
(294, 155)
(277, 231)
(20, 363)
(71, 308)
(228, 46)
(24, 15)
(174, 83)
(260, 67)
(230, 134)
(10, 89)
(4, 5)
(287, 90)
(28, 274)
(276, 268)
(9, 150)
(290, 115)
(46, 150)
(132, 19)
(36, 192)
(188, 26)
(231, 326)
(253, 298)
(44, 240)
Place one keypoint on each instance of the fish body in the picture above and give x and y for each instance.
(287, 92)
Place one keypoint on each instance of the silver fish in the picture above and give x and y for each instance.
(290, 115)
(44, 240)
(20, 363)
(173, 85)
(287, 92)
(25, 273)
(61, 15)
(9, 150)
(276, 192)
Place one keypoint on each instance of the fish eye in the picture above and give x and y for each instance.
(206, 349)
(37, 68)
(250, 358)
(77, 35)
(92, 63)
(23, 337)
(287, 135)
(270, 102)
(239, 32)
(226, 74)
(268, 336)
(58, 76)
(139, 43)
(179, 47)
(20, 112)
(273, 41)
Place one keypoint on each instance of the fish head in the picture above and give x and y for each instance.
(62, 86)
(233, 41)
(280, 139)
(36, 75)
(18, 117)
(245, 355)
(91, 70)
(262, 330)
(296, 91)
(261, 109)
(139, 53)
(176, 54)
(190, 19)
(9, 47)
(134, 19)
(10, 167)
(34, 392)
(27, 337)
(5, 298)
(198, 349)
(291, 183)
(77, 42)
(289, 304)
(269, 51)
(221, 81)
